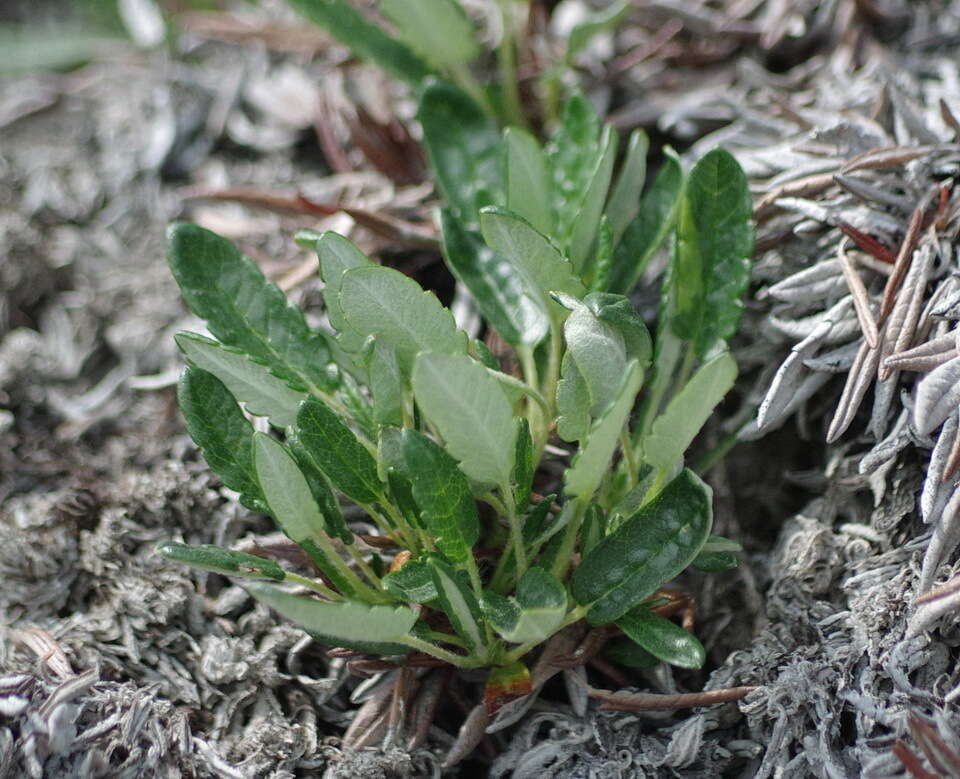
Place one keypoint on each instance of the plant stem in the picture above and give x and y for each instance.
(570, 533)
(364, 567)
(441, 654)
(516, 530)
(313, 585)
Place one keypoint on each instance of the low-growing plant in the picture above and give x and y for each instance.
(506, 505)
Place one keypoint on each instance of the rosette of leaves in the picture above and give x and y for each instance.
(397, 411)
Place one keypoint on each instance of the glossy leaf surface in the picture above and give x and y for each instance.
(208, 557)
(651, 547)
(663, 639)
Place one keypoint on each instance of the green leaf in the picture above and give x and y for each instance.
(366, 39)
(642, 237)
(624, 203)
(321, 490)
(208, 557)
(593, 530)
(602, 264)
(573, 402)
(523, 466)
(386, 384)
(333, 448)
(532, 255)
(337, 255)
(711, 264)
(618, 311)
(688, 410)
(463, 145)
(458, 602)
(480, 351)
(534, 613)
(663, 639)
(599, 352)
(587, 221)
(294, 508)
(648, 549)
(413, 582)
(573, 153)
(245, 311)
(384, 303)
(373, 629)
(437, 30)
(721, 544)
(217, 425)
(716, 562)
(501, 295)
(591, 462)
(623, 651)
(607, 19)
(472, 413)
(443, 494)
(528, 180)
(248, 382)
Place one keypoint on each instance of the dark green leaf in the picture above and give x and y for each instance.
(593, 530)
(642, 237)
(250, 383)
(374, 629)
(212, 558)
(623, 651)
(413, 582)
(437, 30)
(711, 264)
(333, 448)
(534, 613)
(716, 562)
(648, 549)
(366, 39)
(217, 425)
(322, 492)
(662, 638)
(479, 350)
(523, 466)
(245, 311)
(443, 494)
(463, 145)
(458, 601)
(500, 293)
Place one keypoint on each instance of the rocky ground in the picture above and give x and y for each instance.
(114, 663)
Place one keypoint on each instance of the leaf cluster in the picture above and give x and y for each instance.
(506, 504)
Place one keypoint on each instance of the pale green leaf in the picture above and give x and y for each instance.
(208, 557)
(528, 180)
(587, 220)
(252, 384)
(674, 430)
(438, 30)
(376, 629)
(458, 601)
(384, 303)
(591, 462)
(624, 203)
(469, 408)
